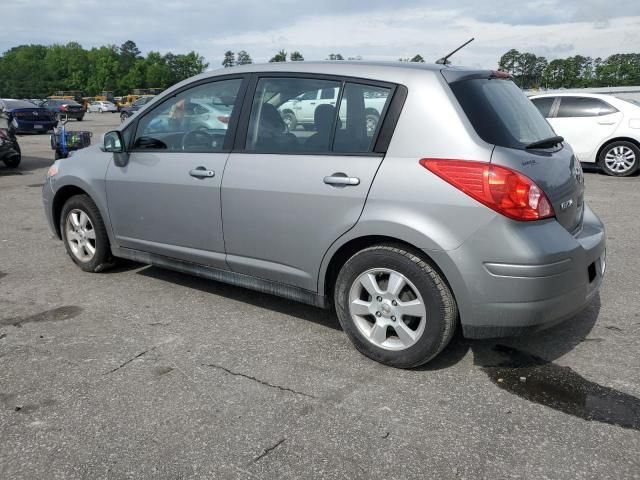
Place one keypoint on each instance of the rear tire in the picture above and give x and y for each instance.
(402, 327)
(13, 161)
(620, 159)
(290, 120)
(84, 234)
(80, 119)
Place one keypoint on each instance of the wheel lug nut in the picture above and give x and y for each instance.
(378, 314)
(393, 319)
(379, 298)
(394, 303)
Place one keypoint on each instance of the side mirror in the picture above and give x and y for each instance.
(114, 143)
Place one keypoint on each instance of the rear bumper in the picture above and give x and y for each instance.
(512, 278)
(25, 126)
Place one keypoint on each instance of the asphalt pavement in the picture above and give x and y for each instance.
(144, 373)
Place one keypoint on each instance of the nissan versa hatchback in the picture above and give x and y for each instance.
(460, 205)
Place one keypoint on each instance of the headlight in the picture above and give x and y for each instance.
(53, 169)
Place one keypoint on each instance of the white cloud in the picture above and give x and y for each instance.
(370, 28)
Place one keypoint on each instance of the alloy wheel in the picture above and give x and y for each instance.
(620, 159)
(80, 235)
(387, 309)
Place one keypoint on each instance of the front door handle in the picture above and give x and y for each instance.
(606, 123)
(202, 172)
(342, 180)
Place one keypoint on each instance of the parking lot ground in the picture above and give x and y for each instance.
(144, 373)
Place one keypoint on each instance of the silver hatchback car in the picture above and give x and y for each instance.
(414, 198)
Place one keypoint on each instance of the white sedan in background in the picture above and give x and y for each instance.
(601, 129)
(102, 107)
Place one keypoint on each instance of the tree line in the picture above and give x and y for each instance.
(36, 71)
(530, 71)
(31, 71)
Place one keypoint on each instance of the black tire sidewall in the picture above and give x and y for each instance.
(621, 143)
(103, 250)
(434, 334)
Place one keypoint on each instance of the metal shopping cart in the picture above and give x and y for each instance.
(63, 142)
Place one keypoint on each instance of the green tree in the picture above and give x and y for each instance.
(243, 58)
(296, 56)
(335, 56)
(229, 59)
(281, 56)
(417, 58)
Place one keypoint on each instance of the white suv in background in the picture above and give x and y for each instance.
(300, 111)
(601, 129)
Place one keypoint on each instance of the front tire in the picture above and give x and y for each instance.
(620, 159)
(394, 306)
(123, 117)
(14, 160)
(84, 234)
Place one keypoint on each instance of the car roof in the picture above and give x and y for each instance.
(382, 71)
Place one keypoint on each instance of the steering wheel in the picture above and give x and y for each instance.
(198, 139)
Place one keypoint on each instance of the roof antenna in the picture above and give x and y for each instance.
(445, 60)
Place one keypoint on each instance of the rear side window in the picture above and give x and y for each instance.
(500, 112)
(360, 110)
(281, 122)
(583, 107)
(544, 105)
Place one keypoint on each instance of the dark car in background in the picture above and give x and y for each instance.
(9, 149)
(25, 117)
(64, 107)
(126, 112)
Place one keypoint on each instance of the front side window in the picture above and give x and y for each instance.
(277, 111)
(194, 120)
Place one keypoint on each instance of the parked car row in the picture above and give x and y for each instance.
(601, 129)
(127, 111)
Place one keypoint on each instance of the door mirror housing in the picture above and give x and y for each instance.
(114, 143)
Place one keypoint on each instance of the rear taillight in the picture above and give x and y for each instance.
(504, 190)
(223, 118)
(63, 108)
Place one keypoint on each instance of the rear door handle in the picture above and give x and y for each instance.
(202, 172)
(341, 179)
(606, 123)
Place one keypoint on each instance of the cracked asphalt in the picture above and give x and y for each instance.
(145, 373)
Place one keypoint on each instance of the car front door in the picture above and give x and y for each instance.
(287, 196)
(585, 122)
(166, 200)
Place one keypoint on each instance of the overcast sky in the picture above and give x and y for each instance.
(373, 29)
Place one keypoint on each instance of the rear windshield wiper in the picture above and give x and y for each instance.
(546, 143)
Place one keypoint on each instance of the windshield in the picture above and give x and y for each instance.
(500, 112)
(11, 104)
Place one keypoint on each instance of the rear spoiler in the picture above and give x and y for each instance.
(452, 75)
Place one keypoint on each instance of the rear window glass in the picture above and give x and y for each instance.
(500, 112)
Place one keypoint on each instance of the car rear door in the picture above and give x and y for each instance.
(166, 200)
(585, 122)
(286, 198)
